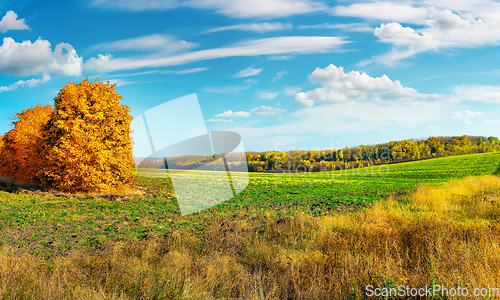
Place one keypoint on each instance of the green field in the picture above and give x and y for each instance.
(48, 223)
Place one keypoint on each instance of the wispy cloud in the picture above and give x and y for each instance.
(349, 27)
(268, 95)
(268, 46)
(220, 120)
(22, 83)
(177, 72)
(268, 111)
(255, 27)
(466, 114)
(230, 90)
(231, 114)
(166, 43)
(247, 72)
(279, 75)
(230, 8)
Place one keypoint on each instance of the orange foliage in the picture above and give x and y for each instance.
(86, 142)
(21, 146)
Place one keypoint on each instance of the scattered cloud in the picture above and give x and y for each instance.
(177, 72)
(247, 72)
(482, 93)
(165, 43)
(258, 8)
(28, 58)
(279, 75)
(229, 8)
(137, 5)
(268, 95)
(281, 57)
(493, 121)
(435, 28)
(22, 83)
(255, 27)
(468, 122)
(219, 120)
(229, 90)
(292, 90)
(10, 22)
(350, 27)
(267, 46)
(383, 11)
(433, 127)
(120, 82)
(268, 111)
(340, 87)
(349, 117)
(466, 114)
(231, 114)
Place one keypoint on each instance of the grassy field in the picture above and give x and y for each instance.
(285, 236)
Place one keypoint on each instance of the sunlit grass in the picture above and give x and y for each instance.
(446, 235)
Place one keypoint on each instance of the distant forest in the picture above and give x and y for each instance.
(339, 159)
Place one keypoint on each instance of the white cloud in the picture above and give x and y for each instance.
(279, 75)
(219, 120)
(340, 87)
(10, 22)
(281, 57)
(268, 95)
(468, 122)
(247, 72)
(493, 121)
(22, 83)
(229, 90)
(258, 8)
(437, 28)
(482, 93)
(292, 90)
(466, 114)
(164, 42)
(256, 27)
(230, 8)
(231, 114)
(268, 111)
(350, 117)
(351, 27)
(177, 72)
(120, 82)
(433, 127)
(137, 5)
(384, 11)
(267, 46)
(28, 58)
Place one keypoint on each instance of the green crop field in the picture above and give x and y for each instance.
(44, 222)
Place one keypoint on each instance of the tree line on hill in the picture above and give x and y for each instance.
(345, 158)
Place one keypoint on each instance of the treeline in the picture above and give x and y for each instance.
(345, 158)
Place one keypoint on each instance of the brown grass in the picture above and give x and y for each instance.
(446, 235)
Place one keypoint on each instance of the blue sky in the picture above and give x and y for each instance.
(285, 74)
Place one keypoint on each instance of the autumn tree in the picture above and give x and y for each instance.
(86, 142)
(21, 147)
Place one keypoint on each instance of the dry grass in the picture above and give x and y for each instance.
(446, 235)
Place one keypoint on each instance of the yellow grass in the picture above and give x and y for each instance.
(446, 235)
